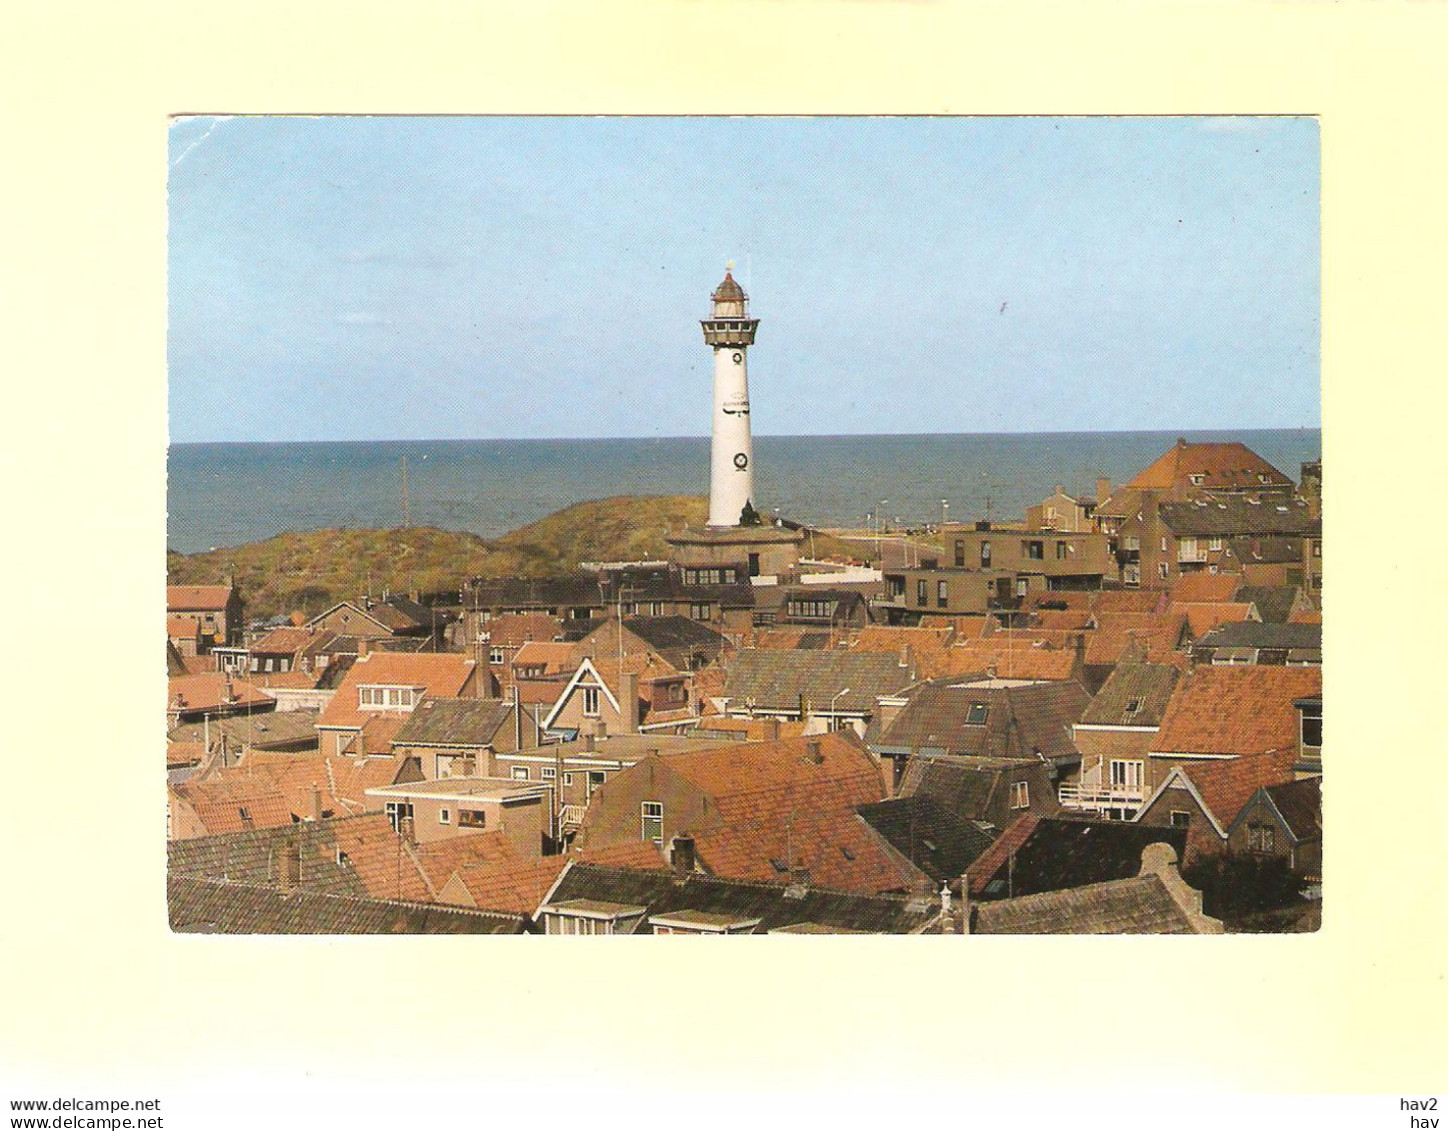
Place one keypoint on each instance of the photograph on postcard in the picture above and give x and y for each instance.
(744, 525)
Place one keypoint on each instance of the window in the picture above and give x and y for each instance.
(976, 715)
(753, 565)
(1060, 551)
(549, 773)
(1214, 544)
(397, 812)
(1125, 775)
(942, 594)
(1312, 726)
(959, 552)
(1163, 543)
(652, 823)
(520, 773)
(1181, 819)
(699, 611)
(1261, 838)
(1035, 551)
(1161, 569)
(595, 779)
(1197, 480)
(495, 656)
(1131, 543)
(567, 778)
(444, 816)
(472, 819)
(590, 702)
(985, 553)
(1022, 586)
(1020, 795)
(922, 592)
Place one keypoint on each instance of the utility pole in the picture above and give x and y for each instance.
(406, 510)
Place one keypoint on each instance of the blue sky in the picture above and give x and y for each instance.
(434, 278)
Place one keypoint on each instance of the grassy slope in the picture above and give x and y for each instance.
(310, 571)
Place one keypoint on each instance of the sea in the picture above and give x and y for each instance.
(227, 494)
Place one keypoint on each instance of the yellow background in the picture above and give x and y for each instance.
(97, 993)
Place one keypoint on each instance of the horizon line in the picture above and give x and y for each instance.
(171, 443)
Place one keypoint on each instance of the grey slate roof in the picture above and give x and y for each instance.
(669, 633)
(266, 731)
(536, 592)
(454, 722)
(1140, 905)
(1229, 515)
(1254, 634)
(1019, 721)
(1133, 695)
(964, 786)
(1273, 602)
(774, 905)
(1061, 853)
(220, 907)
(250, 857)
(933, 838)
(775, 679)
(1300, 803)
(1267, 551)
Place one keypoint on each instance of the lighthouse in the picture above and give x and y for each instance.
(729, 331)
(735, 547)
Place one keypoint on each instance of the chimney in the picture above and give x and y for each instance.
(798, 886)
(681, 853)
(946, 926)
(408, 829)
(1103, 490)
(965, 904)
(289, 866)
(363, 647)
(629, 701)
(812, 753)
(771, 729)
(590, 742)
(316, 802)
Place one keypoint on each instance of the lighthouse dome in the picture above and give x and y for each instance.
(728, 290)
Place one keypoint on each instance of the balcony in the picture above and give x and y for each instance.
(572, 816)
(1098, 798)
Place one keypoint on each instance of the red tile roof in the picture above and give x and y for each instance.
(185, 628)
(201, 598)
(837, 846)
(1243, 709)
(286, 641)
(761, 779)
(1203, 586)
(1202, 617)
(1225, 786)
(1153, 635)
(275, 790)
(984, 656)
(1223, 466)
(209, 690)
(441, 673)
(513, 629)
(556, 657)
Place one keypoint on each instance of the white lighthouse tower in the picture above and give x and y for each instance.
(730, 332)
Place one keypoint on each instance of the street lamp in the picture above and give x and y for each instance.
(834, 722)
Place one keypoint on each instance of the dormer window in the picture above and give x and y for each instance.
(1197, 480)
(388, 697)
(977, 714)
